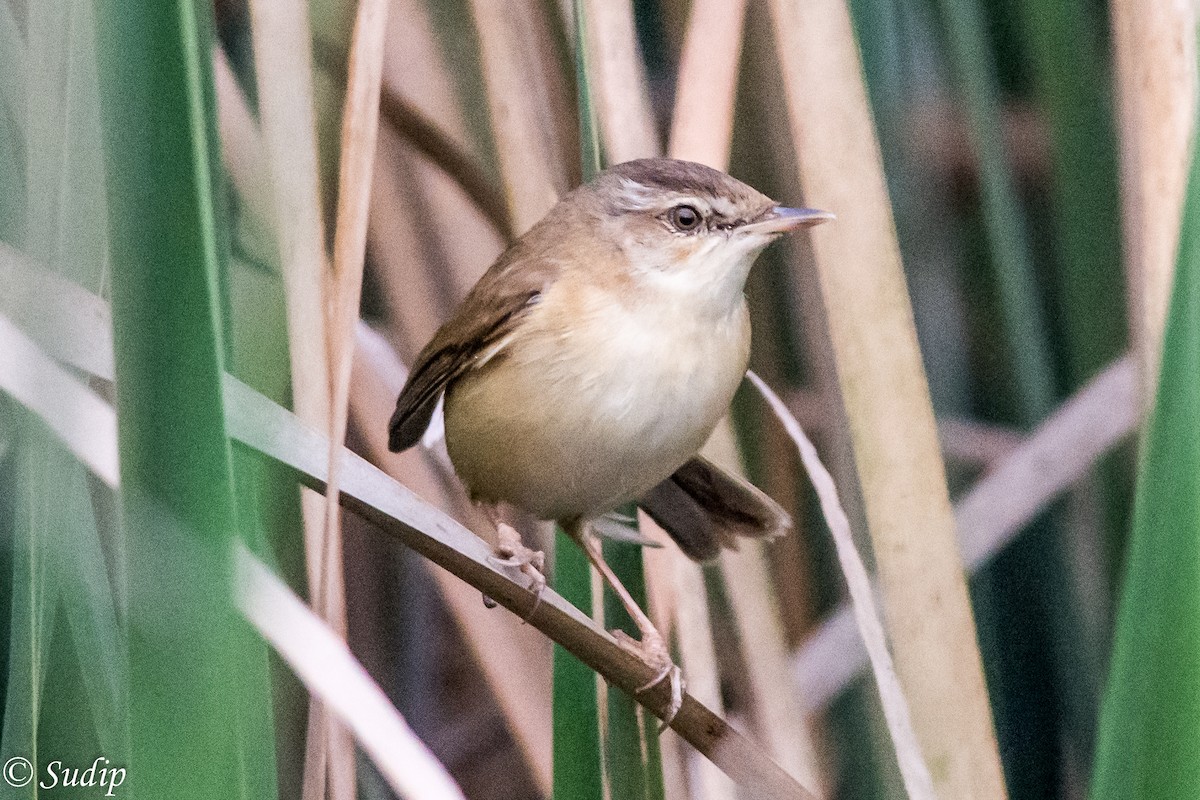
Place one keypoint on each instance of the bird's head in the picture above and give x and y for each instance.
(685, 227)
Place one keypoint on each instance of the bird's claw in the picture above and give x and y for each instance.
(510, 552)
(652, 651)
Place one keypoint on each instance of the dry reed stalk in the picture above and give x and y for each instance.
(1154, 48)
(497, 641)
(419, 82)
(242, 148)
(618, 78)
(293, 210)
(886, 398)
(1061, 452)
(527, 100)
(702, 119)
(702, 129)
(360, 127)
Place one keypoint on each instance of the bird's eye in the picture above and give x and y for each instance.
(684, 218)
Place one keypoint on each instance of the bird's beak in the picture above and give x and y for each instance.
(784, 220)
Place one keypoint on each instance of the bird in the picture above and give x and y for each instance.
(590, 363)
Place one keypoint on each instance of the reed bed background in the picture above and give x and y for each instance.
(226, 228)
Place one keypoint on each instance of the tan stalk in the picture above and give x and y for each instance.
(702, 119)
(284, 73)
(1154, 46)
(619, 88)
(702, 130)
(360, 127)
(1061, 452)
(887, 399)
(525, 90)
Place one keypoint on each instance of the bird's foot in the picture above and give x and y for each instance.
(510, 552)
(652, 651)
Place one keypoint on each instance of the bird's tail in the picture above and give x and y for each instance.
(704, 508)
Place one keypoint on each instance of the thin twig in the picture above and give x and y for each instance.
(913, 769)
(360, 129)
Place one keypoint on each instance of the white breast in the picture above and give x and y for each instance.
(594, 403)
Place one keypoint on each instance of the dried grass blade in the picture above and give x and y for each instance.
(83, 420)
(915, 772)
(360, 131)
(880, 370)
(1060, 452)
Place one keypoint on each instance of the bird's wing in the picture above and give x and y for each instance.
(702, 507)
(478, 331)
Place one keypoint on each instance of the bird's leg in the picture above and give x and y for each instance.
(652, 649)
(511, 552)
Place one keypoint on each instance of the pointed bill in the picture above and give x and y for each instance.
(782, 219)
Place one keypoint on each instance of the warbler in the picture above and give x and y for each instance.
(591, 362)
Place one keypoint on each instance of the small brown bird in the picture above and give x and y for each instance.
(591, 362)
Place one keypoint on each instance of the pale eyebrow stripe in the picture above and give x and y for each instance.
(637, 196)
